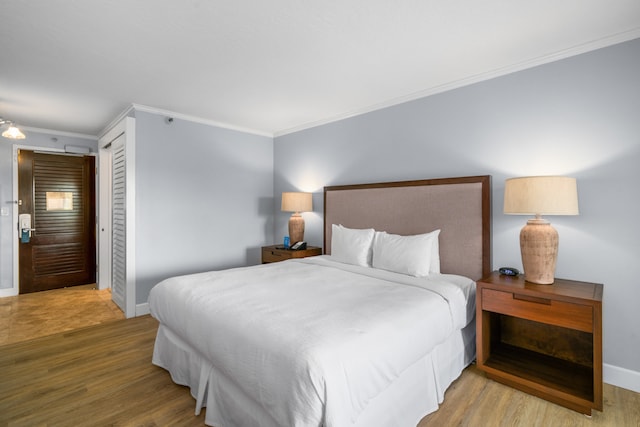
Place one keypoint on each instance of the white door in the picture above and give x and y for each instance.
(118, 223)
(116, 267)
(104, 217)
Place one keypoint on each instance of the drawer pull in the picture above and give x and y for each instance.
(532, 299)
(275, 253)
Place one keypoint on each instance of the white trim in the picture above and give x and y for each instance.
(545, 59)
(103, 231)
(142, 309)
(621, 377)
(8, 292)
(556, 56)
(59, 133)
(112, 134)
(109, 129)
(200, 120)
(566, 53)
(130, 165)
(181, 116)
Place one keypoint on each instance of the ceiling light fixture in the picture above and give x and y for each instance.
(12, 131)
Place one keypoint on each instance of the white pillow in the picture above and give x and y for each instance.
(351, 246)
(410, 255)
(435, 253)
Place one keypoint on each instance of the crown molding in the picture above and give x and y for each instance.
(200, 120)
(498, 72)
(59, 133)
(115, 121)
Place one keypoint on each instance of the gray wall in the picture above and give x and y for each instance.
(204, 198)
(578, 117)
(33, 139)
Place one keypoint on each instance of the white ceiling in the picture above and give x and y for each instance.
(272, 67)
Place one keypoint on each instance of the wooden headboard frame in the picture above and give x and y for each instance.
(459, 207)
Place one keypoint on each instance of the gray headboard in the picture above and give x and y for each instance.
(459, 207)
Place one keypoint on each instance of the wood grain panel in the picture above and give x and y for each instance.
(535, 338)
(552, 312)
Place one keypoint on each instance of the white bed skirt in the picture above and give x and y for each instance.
(417, 392)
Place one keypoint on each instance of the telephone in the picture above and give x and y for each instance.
(509, 271)
(299, 246)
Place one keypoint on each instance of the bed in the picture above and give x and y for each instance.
(360, 336)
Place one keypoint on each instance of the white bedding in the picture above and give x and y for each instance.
(309, 342)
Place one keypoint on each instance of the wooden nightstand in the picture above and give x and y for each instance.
(545, 340)
(276, 253)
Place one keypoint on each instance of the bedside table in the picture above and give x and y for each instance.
(276, 253)
(545, 340)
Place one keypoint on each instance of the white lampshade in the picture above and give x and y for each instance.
(541, 195)
(297, 202)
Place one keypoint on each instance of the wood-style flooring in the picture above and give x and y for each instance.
(39, 314)
(102, 375)
(473, 400)
(96, 376)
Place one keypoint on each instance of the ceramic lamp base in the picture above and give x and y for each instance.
(539, 250)
(296, 228)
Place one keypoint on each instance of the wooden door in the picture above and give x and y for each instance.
(59, 193)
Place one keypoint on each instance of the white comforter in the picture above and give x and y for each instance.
(313, 340)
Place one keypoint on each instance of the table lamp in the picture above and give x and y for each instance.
(296, 203)
(540, 195)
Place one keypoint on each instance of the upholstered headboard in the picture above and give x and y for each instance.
(459, 207)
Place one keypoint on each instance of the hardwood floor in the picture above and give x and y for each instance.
(96, 376)
(38, 314)
(473, 400)
(102, 375)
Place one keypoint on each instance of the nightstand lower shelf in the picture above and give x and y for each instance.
(563, 376)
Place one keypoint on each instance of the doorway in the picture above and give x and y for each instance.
(57, 220)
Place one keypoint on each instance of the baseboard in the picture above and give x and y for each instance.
(621, 377)
(142, 309)
(8, 292)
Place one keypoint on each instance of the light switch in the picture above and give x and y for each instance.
(4, 212)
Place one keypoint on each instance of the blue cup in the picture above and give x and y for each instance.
(286, 242)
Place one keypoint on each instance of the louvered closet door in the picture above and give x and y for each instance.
(118, 225)
(59, 192)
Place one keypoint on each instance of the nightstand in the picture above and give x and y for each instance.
(277, 253)
(545, 340)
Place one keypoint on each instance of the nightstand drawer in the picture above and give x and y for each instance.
(539, 309)
(269, 255)
(275, 253)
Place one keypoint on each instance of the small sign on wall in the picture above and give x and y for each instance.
(59, 201)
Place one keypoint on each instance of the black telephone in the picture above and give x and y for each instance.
(509, 271)
(299, 246)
